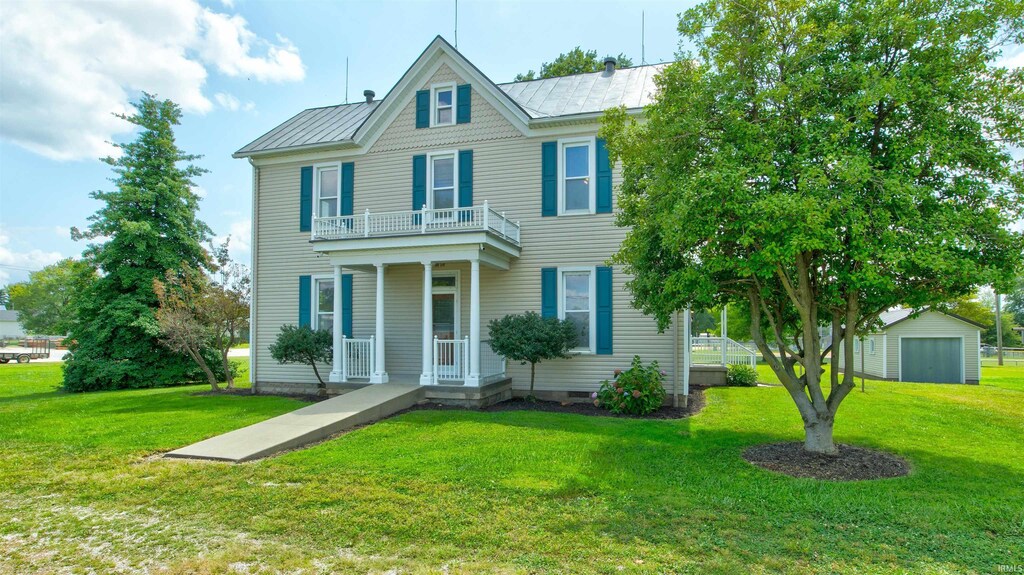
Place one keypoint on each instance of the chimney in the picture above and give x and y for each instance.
(609, 65)
(369, 96)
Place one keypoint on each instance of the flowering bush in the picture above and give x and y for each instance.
(741, 375)
(637, 391)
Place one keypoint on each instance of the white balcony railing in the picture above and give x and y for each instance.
(357, 358)
(709, 351)
(412, 222)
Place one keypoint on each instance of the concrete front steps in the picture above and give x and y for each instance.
(305, 425)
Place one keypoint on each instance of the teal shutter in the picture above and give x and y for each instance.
(549, 292)
(346, 305)
(419, 184)
(549, 178)
(348, 170)
(464, 98)
(465, 178)
(423, 109)
(604, 179)
(305, 300)
(305, 198)
(604, 311)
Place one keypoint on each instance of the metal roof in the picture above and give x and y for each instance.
(314, 126)
(585, 93)
(546, 98)
(894, 316)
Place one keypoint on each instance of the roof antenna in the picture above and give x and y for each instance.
(456, 24)
(346, 79)
(643, 25)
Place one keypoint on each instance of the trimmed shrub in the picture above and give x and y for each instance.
(741, 376)
(638, 391)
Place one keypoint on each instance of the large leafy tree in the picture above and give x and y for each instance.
(823, 161)
(146, 226)
(45, 301)
(575, 61)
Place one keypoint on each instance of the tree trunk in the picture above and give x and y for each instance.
(818, 436)
(321, 387)
(227, 368)
(533, 371)
(210, 377)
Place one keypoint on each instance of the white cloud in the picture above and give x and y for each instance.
(233, 104)
(67, 67)
(240, 246)
(18, 264)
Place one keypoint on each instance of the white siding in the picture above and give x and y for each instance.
(507, 174)
(873, 362)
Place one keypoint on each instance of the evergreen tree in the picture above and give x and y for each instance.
(147, 226)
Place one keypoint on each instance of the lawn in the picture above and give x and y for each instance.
(507, 492)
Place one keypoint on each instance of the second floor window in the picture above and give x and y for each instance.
(442, 181)
(576, 194)
(327, 188)
(443, 104)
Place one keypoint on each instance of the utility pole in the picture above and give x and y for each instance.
(999, 328)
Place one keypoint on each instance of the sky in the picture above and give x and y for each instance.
(237, 68)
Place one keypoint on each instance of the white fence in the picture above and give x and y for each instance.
(357, 358)
(710, 351)
(491, 364)
(411, 222)
(451, 359)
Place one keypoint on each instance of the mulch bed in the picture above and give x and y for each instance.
(850, 464)
(310, 397)
(696, 403)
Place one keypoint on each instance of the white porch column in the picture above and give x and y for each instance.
(427, 376)
(337, 369)
(379, 374)
(474, 322)
(687, 351)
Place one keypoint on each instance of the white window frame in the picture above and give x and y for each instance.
(592, 158)
(430, 180)
(317, 170)
(592, 303)
(314, 307)
(441, 87)
(871, 345)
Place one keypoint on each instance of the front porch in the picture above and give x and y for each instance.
(441, 244)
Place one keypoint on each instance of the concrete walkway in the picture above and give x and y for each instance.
(305, 425)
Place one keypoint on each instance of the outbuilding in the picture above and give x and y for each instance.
(928, 346)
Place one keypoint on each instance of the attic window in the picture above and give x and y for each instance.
(442, 102)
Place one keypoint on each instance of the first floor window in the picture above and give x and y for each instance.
(323, 315)
(328, 186)
(871, 346)
(577, 299)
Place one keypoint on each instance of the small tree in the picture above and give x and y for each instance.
(45, 301)
(182, 329)
(225, 309)
(304, 345)
(530, 338)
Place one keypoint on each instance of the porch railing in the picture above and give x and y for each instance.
(710, 351)
(357, 358)
(451, 359)
(411, 222)
(491, 364)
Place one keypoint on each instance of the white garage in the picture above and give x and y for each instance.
(931, 347)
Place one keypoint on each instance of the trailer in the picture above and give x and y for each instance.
(31, 349)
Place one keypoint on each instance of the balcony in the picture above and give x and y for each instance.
(423, 222)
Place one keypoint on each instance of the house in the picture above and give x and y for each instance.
(405, 224)
(10, 326)
(931, 346)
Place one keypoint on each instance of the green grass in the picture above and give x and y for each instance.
(510, 492)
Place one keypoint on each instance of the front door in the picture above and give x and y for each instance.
(445, 301)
